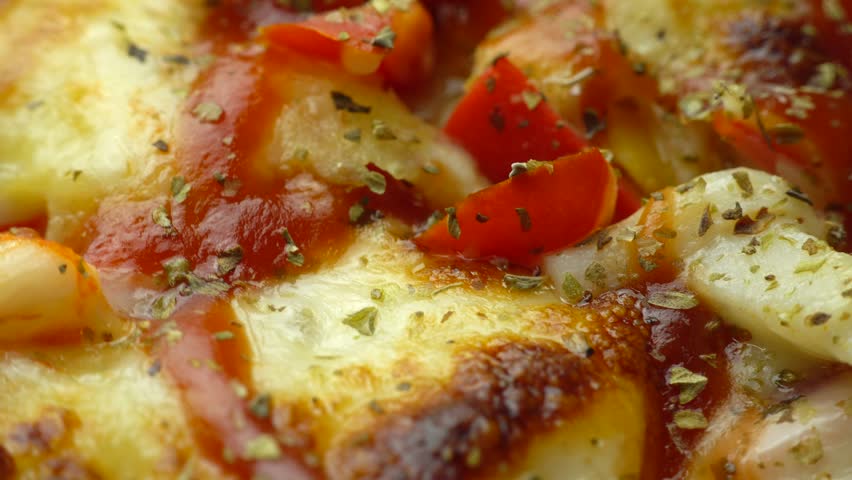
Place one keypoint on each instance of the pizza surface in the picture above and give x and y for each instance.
(561, 239)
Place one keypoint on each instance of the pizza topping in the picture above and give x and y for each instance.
(690, 383)
(292, 251)
(705, 222)
(364, 321)
(384, 38)
(262, 447)
(571, 289)
(161, 217)
(748, 226)
(208, 112)
(734, 213)
(690, 420)
(744, 182)
(673, 299)
(180, 189)
(346, 103)
(519, 168)
(228, 260)
(522, 282)
(161, 145)
(375, 181)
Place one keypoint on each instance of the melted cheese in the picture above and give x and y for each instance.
(78, 114)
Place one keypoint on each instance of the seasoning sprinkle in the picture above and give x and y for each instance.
(572, 289)
(385, 38)
(208, 112)
(690, 420)
(734, 213)
(799, 195)
(375, 181)
(453, 223)
(744, 182)
(294, 256)
(346, 103)
(228, 259)
(706, 221)
(531, 99)
(522, 282)
(364, 321)
(673, 299)
(786, 133)
(180, 189)
(161, 145)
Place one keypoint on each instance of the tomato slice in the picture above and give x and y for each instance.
(503, 119)
(396, 43)
(535, 212)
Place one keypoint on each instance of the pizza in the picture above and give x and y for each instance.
(425, 239)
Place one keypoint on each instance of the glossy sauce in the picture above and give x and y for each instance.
(232, 203)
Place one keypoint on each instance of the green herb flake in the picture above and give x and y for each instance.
(353, 135)
(706, 221)
(161, 145)
(176, 269)
(209, 112)
(531, 99)
(343, 36)
(799, 195)
(834, 10)
(571, 289)
(673, 299)
(161, 217)
(748, 226)
(524, 218)
(364, 321)
(809, 266)
(453, 223)
(816, 319)
(690, 420)
(690, 383)
(808, 450)
(596, 274)
(262, 447)
(431, 169)
(519, 168)
(522, 282)
(735, 213)
(356, 211)
(382, 131)
(223, 335)
(180, 189)
(228, 259)
(344, 102)
(375, 181)
(164, 306)
(811, 246)
(294, 256)
(384, 38)
(744, 182)
(261, 405)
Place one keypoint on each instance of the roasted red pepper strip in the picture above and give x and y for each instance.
(531, 213)
(503, 119)
(396, 43)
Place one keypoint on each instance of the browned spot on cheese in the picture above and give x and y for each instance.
(43, 435)
(504, 391)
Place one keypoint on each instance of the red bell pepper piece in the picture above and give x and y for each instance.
(504, 119)
(397, 43)
(531, 213)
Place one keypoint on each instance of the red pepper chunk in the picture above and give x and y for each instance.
(504, 119)
(396, 43)
(535, 212)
